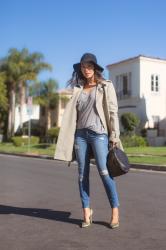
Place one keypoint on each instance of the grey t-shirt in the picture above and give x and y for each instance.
(87, 113)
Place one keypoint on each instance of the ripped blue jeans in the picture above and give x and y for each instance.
(85, 140)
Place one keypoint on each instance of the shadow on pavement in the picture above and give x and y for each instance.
(40, 213)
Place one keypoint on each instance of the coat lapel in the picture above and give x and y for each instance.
(99, 103)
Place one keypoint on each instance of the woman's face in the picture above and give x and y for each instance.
(87, 70)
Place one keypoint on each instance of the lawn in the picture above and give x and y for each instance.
(143, 155)
(156, 151)
(40, 149)
(153, 160)
(147, 155)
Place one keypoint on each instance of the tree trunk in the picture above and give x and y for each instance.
(49, 119)
(21, 101)
(11, 113)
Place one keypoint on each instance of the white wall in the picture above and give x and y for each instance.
(126, 67)
(25, 118)
(147, 103)
(155, 101)
(133, 103)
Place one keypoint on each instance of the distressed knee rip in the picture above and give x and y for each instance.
(101, 138)
(104, 172)
(81, 177)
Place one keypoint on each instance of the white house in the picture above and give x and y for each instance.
(35, 112)
(28, 113)
(57, 112)
(65, 95)
(140, 83)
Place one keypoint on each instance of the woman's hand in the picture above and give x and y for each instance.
(113, 144)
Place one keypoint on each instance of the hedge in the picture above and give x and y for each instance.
(53, 133)
(21, 141)
(133, 141)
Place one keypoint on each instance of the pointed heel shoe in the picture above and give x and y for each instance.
(87, 224)
(114, 225)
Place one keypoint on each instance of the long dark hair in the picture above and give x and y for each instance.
(78, 78)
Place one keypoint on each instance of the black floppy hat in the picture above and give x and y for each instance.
(87, 58)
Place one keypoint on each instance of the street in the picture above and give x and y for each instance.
(40, 208)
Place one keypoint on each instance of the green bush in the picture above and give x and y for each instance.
(21, 141)
(143, 132)
(129, 121)
(53, 133)
(133, 141)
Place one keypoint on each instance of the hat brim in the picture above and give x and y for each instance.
(77, 67)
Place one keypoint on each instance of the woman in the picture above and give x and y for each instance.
(85, 130)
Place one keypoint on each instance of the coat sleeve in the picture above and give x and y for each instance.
(113, 112)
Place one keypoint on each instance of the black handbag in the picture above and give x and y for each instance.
(117, 162)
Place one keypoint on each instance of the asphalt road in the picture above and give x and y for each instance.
(40, 208)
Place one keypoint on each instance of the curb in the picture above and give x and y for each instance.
(145, 166)
(133, 165)
(28, 155)
(149, 167)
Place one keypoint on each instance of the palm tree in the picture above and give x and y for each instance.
(19, 67)
(48, 99)
(3, 102)
(3, 93)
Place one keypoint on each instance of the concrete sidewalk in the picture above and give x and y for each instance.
(133, 165)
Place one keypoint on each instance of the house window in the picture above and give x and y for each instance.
(156, 120)
(123, 85)
(157, 84)
(154, 83)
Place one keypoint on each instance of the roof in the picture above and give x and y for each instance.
(134, 58)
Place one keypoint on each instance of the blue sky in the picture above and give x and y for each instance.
(64, 30)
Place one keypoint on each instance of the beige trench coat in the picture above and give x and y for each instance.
(65, 144)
